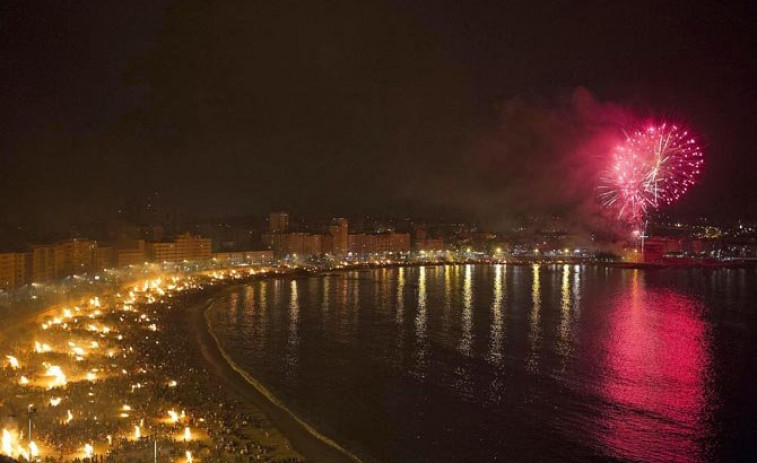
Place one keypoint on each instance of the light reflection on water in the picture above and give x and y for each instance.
(657, 383)
(293, 339)
(535, 328)
(421, 320)
(547, 363)
(467, 320)
(497, 330)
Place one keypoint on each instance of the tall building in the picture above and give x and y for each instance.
(163, 252)
(339, 235)
(193, 247)
(433, 244)
(304, 244)
(103, 258)
(420, 237)
(399, 242)
(131, 253)
(78, 256)
(71, 257)
(378, 243)
(277, 242)
(14, 269)
(424, 243)
(47, 259)
(278, 222)
(184, 247)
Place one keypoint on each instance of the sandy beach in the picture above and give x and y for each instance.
(105, 378)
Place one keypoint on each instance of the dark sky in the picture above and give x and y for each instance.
(238, 107)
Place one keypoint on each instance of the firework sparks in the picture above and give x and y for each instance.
(652, 168)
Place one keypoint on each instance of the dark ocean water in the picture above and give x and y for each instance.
(510, 363)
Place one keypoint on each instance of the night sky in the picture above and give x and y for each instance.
(396, 107)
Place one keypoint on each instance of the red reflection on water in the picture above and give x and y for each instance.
(654, 378)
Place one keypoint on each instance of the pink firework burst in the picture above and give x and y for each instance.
(652, 168)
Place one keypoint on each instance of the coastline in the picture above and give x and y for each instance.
(233, 412)
(304, 439)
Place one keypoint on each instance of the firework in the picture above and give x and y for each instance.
(651, 168)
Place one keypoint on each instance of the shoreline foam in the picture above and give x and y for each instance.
(305, 439)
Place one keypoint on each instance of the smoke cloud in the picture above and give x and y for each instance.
(541, 158)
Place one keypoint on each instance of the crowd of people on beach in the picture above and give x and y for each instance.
(117, 379)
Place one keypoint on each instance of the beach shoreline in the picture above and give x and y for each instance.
(304, 439)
